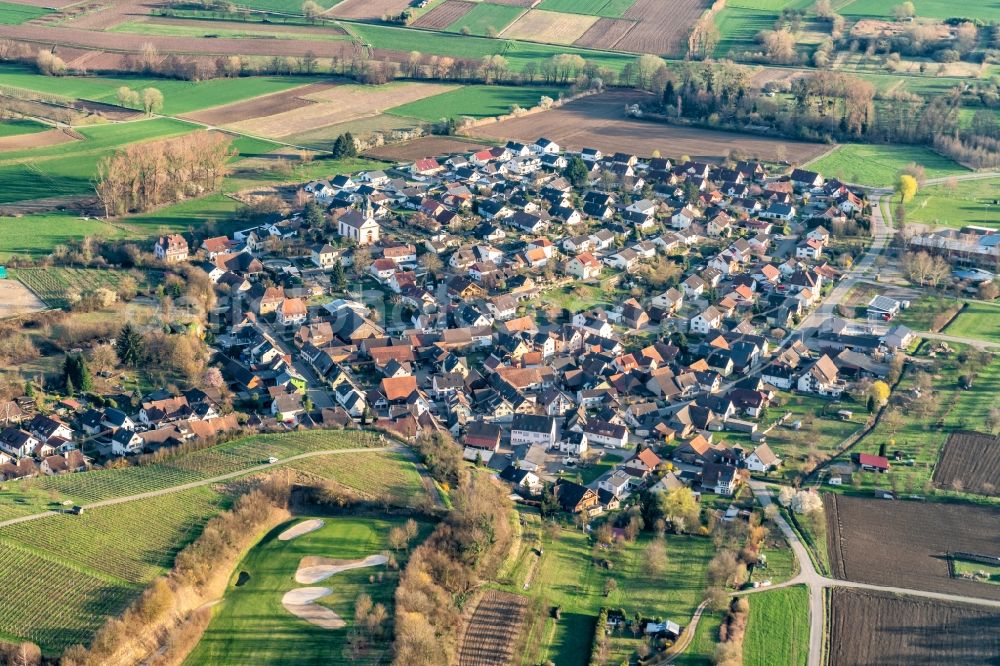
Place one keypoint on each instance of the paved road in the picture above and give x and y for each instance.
(205, 482)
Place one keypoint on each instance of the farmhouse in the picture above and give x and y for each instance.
(171, 249)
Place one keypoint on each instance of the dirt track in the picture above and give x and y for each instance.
(599, 121)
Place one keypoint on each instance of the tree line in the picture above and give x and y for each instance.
(140, 177)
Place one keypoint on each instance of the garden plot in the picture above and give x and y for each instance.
(492, 631)
(16, 299)
(551, 27)
(970, 461)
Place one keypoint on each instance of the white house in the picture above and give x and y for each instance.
(616, 484)
(584, 266)
(533, 429)
(762, 459)
(705, 321)
(821, 378)
(606, 433)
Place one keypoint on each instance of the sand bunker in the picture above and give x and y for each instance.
(301, 602)
(314, 569)
(305, 527)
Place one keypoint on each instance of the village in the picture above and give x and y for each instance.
(628, 331)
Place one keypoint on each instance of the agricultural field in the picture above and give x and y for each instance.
(19, 126)
(51, 603)
(54, 284)
(605, 8)
(428, 146)
(550, 27)
(566, 576)
(444, 14)
(493, 629)
(957, 204)
(374, 475)
(517, 53)
(778, 628)
(230, 31)
(229, 458)
(977, 320)
(131, 542)
(67, 169)
(485, 19)
(15, 14)
(16, 299)
(368, 10)
(338, 104)
(971, 461)
(282, 6)
(890, 543)
(868, 627)
(178, 96)
(879, 165)
(987, 11)
(476, 102)
(663, 27)
(596, 121)
(605, 33)
(250, 625)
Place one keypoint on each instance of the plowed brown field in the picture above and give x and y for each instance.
(971, 461)
(599, 121)
(444, 14)
(267, 105)
(50, 137)
(605, 33)
(430, 146)
(868, 627)
(368, 9)
(906, 544)
(663, 26)
(492, 630)
(338, 105)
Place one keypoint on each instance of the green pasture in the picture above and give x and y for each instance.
(375, 474)
(606, 8)
(36, 235)
(18, 126)
(778, 628)
(958, 204)
(977, 320)
(987, 10)
(476, 101)
(738, 28)
(252, 626)
(282, 6)
(879, 165)
(199, 31)
(484, 16)
(178, 96)
(769, 5)
(15, 14)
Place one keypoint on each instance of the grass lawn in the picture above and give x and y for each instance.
(251, 625)
(738, 28)
(607, 8)
(606, 464)
(964, 202)
(578, 296)
(179, 96)
(15, 14)
(702, 647)
(17, 126)
(922, 311)
(978, 320)
(778, 628)
(935, 9)
(261, 174)
(992, 572)
(68, 168)
(374, 474)
(769, 5)
(476, 101)
(878, 165)
(36, 235)
(566, 576)
(485, 16)
(517, 53)
(781, 564)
